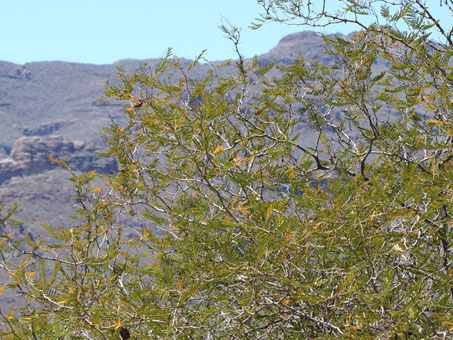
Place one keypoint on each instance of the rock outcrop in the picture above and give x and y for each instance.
(310, 44)
(29, 155)
(45, 128)
(13, 71)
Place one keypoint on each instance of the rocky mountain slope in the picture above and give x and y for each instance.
(30, 155)
(53, 108)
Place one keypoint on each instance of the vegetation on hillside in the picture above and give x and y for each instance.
(265, 234)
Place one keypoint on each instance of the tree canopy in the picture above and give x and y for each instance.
(310, 201)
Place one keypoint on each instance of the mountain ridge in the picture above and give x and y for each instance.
(58, 101)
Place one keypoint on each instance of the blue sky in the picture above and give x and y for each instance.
(103, 31)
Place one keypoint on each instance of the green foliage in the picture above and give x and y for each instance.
(313, 205)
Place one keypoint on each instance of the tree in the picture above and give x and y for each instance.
(314, 204)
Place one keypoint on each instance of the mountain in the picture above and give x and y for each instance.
(54, 108)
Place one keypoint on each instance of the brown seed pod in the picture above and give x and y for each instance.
(124, 333)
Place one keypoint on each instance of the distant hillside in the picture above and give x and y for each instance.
(44, 100)
(310, 44)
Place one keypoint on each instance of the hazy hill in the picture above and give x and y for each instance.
(43, 100)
